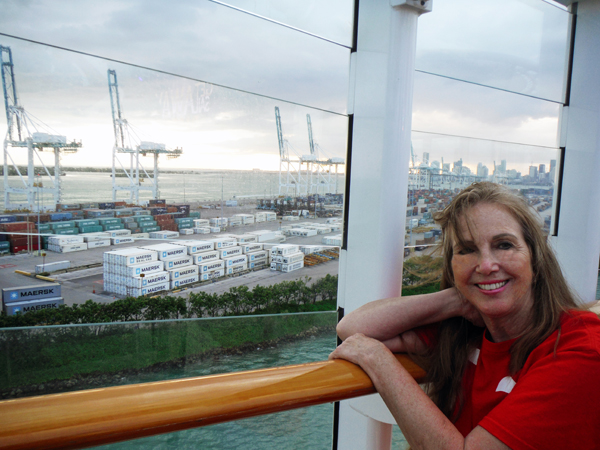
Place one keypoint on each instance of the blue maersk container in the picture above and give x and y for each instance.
(8, 219)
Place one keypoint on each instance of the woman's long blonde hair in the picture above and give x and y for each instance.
(457, 336)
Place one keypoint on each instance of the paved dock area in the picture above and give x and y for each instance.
(84, 281)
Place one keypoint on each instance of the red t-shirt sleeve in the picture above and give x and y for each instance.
(555, 403)
(428, 334)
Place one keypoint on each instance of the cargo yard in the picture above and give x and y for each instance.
(172, 249)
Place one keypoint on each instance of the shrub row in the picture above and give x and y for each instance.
(286, 296)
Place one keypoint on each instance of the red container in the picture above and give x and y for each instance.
(20, 240)
(17, 226)
(23, 248)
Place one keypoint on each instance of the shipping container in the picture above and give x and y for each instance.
(35, 305)
(166, 251)
(201, 258)
(183, 272)
(26, 293)
(180, 282)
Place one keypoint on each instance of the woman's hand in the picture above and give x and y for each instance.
(363, 351)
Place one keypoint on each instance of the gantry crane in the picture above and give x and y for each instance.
(127, 142)
(291, 176)
(23, 131)
(321, 175)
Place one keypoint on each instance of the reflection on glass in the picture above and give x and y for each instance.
(517, 45)
(452, 107)
(201, 40)
(331, 20)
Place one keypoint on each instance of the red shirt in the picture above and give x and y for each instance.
(553, 402)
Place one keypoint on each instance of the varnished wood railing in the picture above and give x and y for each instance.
(101, 416)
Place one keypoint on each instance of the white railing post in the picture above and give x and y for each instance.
(380, 99)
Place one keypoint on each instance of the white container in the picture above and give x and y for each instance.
(258, 265)
(212, 275)
(194, 247)
(167, 251)
(211, 266)
(130, 256)
(289, 218)
(223, 242)
(201, 230)
(246, 218)
(180, 282)
(287, 249)
(240, 259)
(201, 223)
(148, 280)
(215, 229)
(186, 231)
(99, 243)
(121, 240)
(237, 268)
(249, 248)
(63, 240)
(138, 236)
(229, 252)
(218, 221)
(261, 255)
(332, 240)
(290, 259)
(164, 234)
(119, 233)
(53, 267)
(88, 237)
(292, 267)
(205, 257)
(149, 289)
(145, 268)
(180, 261)
(310, 249)
(246, 238)
(183, 272)
(68, 248)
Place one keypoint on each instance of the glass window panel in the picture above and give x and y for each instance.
(200, 39)
(443, 165)
(517, 45)
(102, 355)
(453, 107)
(332, 19)
(217, 128)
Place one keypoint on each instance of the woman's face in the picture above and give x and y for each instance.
(493, 268)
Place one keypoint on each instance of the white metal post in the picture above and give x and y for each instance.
(381, 102)
(578, 241)
(30, 174)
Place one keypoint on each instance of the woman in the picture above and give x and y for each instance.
(512, 361)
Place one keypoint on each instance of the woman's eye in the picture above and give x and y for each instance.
(464, 251)
(505, 245)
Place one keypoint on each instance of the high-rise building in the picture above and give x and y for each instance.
(503, 166)
(542, 169)
(552, 164)
(482, 171)
(426, 158)
(533, 172)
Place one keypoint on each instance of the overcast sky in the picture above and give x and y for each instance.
(516, 45)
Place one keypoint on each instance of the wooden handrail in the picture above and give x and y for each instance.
(101, 416)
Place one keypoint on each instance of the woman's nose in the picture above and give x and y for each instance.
(487, 263)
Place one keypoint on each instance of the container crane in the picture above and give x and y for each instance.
(291, 175)
(126, 142)
(23, 131)
(323, 164)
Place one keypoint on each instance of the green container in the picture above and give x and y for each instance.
(140, 219)
(43, 227)
(109, 221)
(61, 225)
(195, 214)
(149, 229)
(86, 223)
(113, 226)
(4, 245)
(91, 229)
(66, 231)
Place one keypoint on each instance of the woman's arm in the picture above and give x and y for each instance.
(385, 320)
(424, 426)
